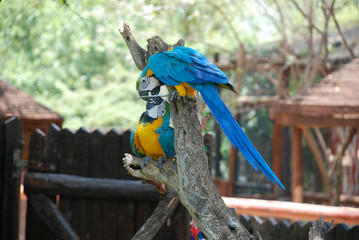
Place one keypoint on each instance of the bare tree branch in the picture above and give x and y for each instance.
(163, 211)
(138, 53)
(227, 19)
(305, 15)
(330, 8)
(336, 174)
(189, 175)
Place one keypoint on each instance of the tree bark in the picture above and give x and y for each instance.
(319, 230)
(189, 175)
(163, 211)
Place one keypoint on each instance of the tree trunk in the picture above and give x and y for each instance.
(189, 175)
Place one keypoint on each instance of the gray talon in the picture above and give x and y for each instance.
(161, 160)
(174, 95)
(145, 161)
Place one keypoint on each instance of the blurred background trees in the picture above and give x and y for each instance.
(69, 56)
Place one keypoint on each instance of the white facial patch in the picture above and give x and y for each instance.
(148, 84)
(157, 111)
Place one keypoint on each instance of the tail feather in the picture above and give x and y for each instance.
(235, 133)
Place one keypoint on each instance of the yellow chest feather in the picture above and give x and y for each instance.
(149, 138)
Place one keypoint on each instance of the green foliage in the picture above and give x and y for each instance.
(69, 56)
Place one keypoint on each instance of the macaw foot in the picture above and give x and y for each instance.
(160, 162)
(145, 161)
(174, 96)
(189, 98)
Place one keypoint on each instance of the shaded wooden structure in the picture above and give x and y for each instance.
(14, 102)
(77, 188)
(86, 194)
(333, 102)
(11, 143)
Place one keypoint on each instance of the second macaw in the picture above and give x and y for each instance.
(188, 70)
(153, 137)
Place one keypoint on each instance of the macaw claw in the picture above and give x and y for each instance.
(174, 96)
(145, 161)
(160, 162)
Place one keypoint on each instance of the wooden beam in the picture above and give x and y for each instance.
(318, 156)
(294, 211)
(297, 165)
(51, 216)
(325, 197)
(312, 121)
(75, 186)
(277, 151)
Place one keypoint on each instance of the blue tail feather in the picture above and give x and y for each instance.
(234, 132)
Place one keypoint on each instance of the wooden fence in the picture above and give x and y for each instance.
(78, 189)
(11, 142)
(270, 229)
(81, 173)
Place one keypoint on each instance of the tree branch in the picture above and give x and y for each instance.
(337, 172)
(164, 210)
(319, 230)
(330, 8)
(189, 175)
(138, 53)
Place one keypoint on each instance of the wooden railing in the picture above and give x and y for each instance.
(294, 211)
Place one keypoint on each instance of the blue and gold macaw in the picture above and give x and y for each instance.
(153, 137)
(188, 70)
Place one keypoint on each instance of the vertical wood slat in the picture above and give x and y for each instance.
(52, 139)
(96, 170)
(13, 136)
(35, 229)
(79, 220)
(66, 161)
(111, 169)
(50, 158)
(277, 152)
(297, 165)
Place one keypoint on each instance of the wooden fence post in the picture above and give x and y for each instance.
(35, 228)
(11, 144)
(297, 165)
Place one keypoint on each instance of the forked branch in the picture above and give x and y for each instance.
(189, 175)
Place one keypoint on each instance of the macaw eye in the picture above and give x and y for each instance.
(161, 111)
(144, 82)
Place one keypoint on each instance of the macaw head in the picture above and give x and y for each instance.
(157, 109)
(148, 86)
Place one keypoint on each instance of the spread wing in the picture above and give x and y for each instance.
(183, 64)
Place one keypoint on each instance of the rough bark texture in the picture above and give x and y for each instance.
(162, 212)
(319, 231)
(189, 175)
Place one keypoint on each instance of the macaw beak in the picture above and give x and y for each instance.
(153, 102)
(152, 97)
(150, 94)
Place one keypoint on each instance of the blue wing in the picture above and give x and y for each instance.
(135, 149)
(184, 64)
(167, 142)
